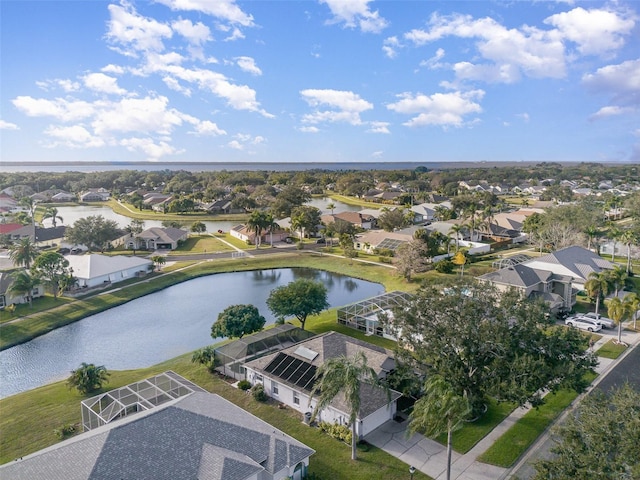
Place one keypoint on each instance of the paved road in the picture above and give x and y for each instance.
(625, 370)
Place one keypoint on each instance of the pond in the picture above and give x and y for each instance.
(160, 326)
(72, 213)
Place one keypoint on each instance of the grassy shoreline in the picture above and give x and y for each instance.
(25, 329)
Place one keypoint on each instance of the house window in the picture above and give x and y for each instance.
(274, 389)
(296, 398)
(258, 378)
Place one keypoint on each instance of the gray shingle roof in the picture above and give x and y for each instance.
(198, 436)
(578, 260)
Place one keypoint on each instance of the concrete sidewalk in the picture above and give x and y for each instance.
(430, 457)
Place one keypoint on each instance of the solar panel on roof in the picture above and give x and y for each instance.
(307, 378)
(286, 361)
(295, 365)
(274, 363)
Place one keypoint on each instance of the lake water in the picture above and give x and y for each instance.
(158, 327)
(70, 214)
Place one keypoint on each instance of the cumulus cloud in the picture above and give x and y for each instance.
(621, 82)
(8, 126)
(531, 51)
(441, 109)
(434, 62)
(153, 150)
(132, 32)
(343, 106)
(244, 142)
(378, 127)
(390, 46)
(66, 110)
(74, 136)
(356, 14)
(248, 64)
(611, 111)
(226, 10)
(114, 69)
(142, 115)
(208, 128)
(194, 33)
(64, 84)
(309, 129)
(595, 31)
(99, 82)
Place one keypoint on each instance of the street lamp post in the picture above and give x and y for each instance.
(412, 470)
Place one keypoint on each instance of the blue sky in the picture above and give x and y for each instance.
(320, 81)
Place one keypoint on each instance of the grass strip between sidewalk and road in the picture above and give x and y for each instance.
(515, 441)
(611, 349)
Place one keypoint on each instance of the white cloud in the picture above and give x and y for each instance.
(235, 144)
(523, 116)
(444, 109)
(621, 81)
(596, 31)
(356, 14)
(377, 154)
(128, 28)
(99, 82)
(378, 127)
(248, 64)
(611, 111)
(195, 33)
(434, 62)
(208, 128)
(75, 136)
(390, 46)
(174, 85)
(59, 108)
(345, 106)
(147, 146)
(309, 129)
(8, 126)
(242, 141)
(533, 52)
(148, 115)
(65, 84)
(236, 34)
(115, 69)
(226, 10)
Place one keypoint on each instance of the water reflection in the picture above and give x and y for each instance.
(157, 327)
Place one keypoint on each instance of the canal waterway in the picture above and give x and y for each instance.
(158, 327)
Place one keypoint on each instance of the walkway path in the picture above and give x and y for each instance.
(430, 457)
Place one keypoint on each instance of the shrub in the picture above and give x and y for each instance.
(244, 385)
(444, 266)
(258, 393)
(65, 431)
(335, 430)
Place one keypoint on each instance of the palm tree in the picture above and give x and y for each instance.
(23, 284)
(614, 234)
(591, 232)
(344, 375)
(617, 277)
(598, 285)
(88, 378)
(257, 223)
(270, 225)
(457, 229)
(23, 253)
(629, 237)
(634, 300)
(331, 206)
(52, 213)
(30, 205)
(439, 410)
(158, 260)
(619, 311)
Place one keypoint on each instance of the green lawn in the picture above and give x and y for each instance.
(611, 350)
(27, 422)
(40, 304)
(515, 441)
(201, 244)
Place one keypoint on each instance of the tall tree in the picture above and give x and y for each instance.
(299, 298)
(440, 410)
(617, 277)
(457, 230)
(135, 227)
(158, 261)
(23, 284)
(23, 253)
(391, 220)
(93, 231)
(599, 440)
(619, 311)
(344, 376)
(52, 268)
(306, 219)
(257, 223)
(488, 343)
(52, 213)
(88, 378)
(198, 227)
(411, 258)
(629, 237)
(237, 321)
(598, 287)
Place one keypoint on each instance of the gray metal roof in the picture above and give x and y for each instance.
(201, 435)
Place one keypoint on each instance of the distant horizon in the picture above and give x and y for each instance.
(320, 81)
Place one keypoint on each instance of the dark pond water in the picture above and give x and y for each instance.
(158, 327)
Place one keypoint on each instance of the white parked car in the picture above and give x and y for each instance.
(584, 323)
(604, 321)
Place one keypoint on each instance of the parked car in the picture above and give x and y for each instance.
(63, 251)
(584, 323)
(604, 321)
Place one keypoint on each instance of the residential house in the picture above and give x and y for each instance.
(157, 238)
(428, 212)
(63, 197)
(372, 240)
(357, 219)
(244, 233)
(555, 290)
(95, 270)
(167, 428)
(576, 262)
(219, 206)
(7, 298)
(95, 195)
(289, 376)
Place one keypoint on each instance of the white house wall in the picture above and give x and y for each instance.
(377, 418)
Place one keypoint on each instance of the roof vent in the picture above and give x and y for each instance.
(306, 353)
